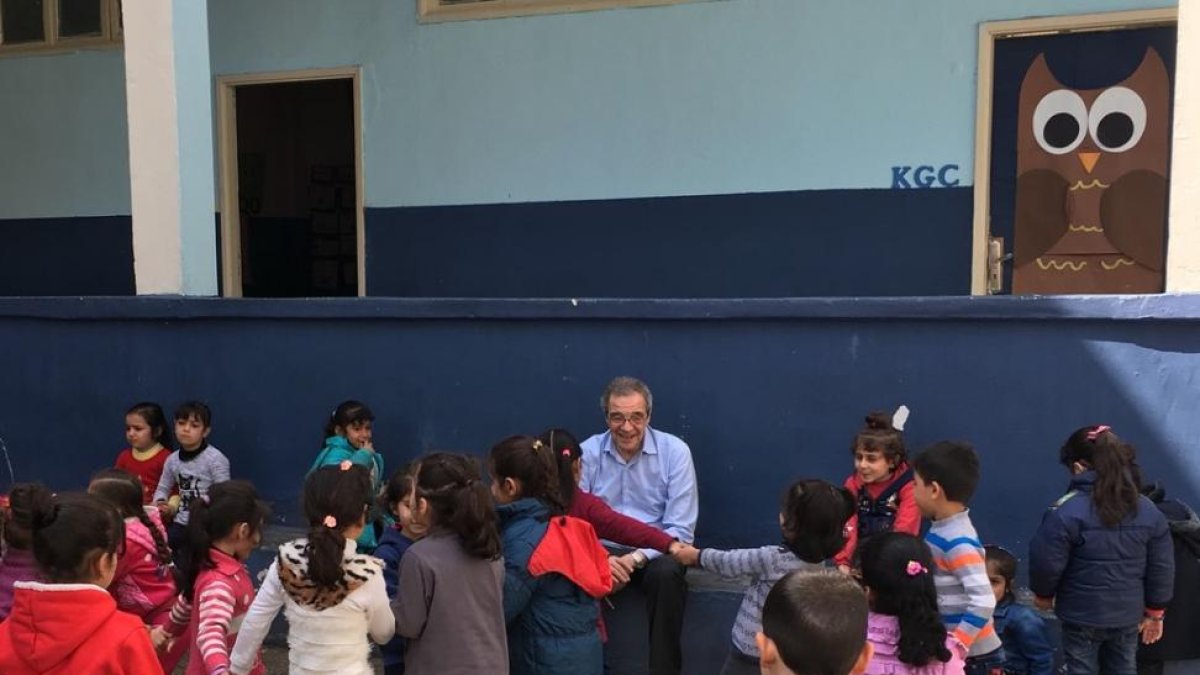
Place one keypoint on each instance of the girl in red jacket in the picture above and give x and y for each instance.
(881, 484)
(71, 624)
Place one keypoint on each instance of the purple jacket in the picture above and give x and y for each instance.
(16, 566)
(883, 632)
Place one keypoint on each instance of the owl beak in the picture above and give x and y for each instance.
(1088, 160)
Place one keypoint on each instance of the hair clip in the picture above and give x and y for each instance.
(566, 452)
(345, 465)
(914, 568)
(1095, 433)
(900, 418)
(537, 445)
(329, 522)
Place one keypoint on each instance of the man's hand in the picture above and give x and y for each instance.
(622, 568)
(1151, 629)
(687, 555)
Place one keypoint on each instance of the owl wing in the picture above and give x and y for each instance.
(1133, 211)
(1040, 219)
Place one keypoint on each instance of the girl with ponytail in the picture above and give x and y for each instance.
(224, 528)
(16, 527)
(448, 602)
(332, 596)
(70, 623)
(904, 625)
(1103, 557)
(555, 568)
(145, 583)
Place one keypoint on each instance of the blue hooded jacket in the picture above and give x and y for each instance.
(337, 449)
(1027, 648)
(552, 623)
(1099, 576)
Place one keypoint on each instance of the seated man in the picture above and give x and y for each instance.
(646, 474)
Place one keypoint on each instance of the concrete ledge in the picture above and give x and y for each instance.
(1184, 307)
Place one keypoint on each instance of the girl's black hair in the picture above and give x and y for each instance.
(897, 570)
(814, 519)
(1096, 447)
(123, 491)
(566, 451)
(153, 414)
(344, 494)
(1004, 564)
(460, 502)
(346, 414)
(18, 518)
(399, 486)
(879, 435)
(528, 460)
(229, 503)
(71, 532)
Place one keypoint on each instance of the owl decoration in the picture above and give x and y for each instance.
(1091, 193)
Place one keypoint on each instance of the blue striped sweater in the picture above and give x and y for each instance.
(964, 593)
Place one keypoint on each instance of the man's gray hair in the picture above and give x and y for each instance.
(624, 386)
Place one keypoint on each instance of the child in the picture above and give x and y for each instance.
(881, 484)
(814, 622)
(217, 587)
(1103, 557)
(555, 568)
(144, 583)
(610, 525)
(18, 564)
(1027, 649)
(904, 626)
(812, 518)
(146, 433)
(945, 477)
(393, 544)
(1179, 648)
(193, 469)
(449, 602)
(333, 597)
(348, 436)
(70, 624)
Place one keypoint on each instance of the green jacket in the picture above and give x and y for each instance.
(337, 449)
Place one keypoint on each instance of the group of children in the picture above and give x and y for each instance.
(450, 571)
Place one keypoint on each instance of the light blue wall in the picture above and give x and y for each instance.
(724, 96)
(64, 150)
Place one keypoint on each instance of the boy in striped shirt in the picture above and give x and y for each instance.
(945, 477)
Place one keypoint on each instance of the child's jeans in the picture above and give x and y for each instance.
(991, 663)
(1090, 651)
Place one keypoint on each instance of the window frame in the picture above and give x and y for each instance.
(433, 11)
(110, 34)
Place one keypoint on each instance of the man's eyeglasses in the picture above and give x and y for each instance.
(637, 419)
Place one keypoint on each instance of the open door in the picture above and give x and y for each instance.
(291, 184)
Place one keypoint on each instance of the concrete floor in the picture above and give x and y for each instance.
(276, 660)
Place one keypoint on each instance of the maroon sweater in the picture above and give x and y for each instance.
(616, 527)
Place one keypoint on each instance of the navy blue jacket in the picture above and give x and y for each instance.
(1027, 648)
(1101, 577)
(392, 546)
(552, 624)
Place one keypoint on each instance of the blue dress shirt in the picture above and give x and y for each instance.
(657, 486)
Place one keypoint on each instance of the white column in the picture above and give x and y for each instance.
(1183, 236)
(168, 89)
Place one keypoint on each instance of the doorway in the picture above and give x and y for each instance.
(291, 185)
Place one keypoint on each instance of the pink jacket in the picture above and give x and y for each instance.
(142, 585)
(16, 565)
(883, 632)
(220, 599)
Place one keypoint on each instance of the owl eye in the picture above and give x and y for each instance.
(1118, 119)
(1060, 121)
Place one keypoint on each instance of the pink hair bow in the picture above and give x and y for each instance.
(1095, 433)
(914, 568)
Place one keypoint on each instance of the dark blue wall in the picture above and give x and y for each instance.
(67, 256)
(763, 390)
(774, 244)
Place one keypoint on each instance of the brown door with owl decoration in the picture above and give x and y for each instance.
(1091, 190)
